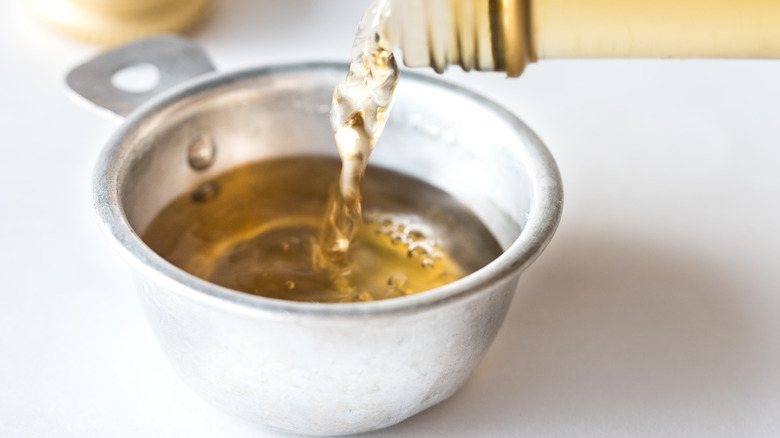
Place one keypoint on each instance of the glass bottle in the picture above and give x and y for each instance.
(507, 35)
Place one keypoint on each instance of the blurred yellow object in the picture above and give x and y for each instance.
(110, 22)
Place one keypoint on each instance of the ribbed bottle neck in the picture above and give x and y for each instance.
(506, 35)
(485, 35)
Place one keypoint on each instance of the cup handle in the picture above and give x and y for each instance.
(176, 59)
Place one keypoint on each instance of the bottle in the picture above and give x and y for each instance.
(507, 35)
(110, 22)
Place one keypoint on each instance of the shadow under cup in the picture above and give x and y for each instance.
(326, 368)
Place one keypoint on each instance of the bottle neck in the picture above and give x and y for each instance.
(485, 35)
(506, 35)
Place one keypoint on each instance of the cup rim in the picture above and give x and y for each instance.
(543, 218)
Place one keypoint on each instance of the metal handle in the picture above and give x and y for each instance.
(176, 59)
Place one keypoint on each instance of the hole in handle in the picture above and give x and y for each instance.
(138, 77)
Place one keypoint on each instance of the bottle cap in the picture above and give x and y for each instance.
(109, 22)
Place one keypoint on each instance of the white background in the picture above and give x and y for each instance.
(655, 311)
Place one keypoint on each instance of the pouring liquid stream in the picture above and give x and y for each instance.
(361, 105)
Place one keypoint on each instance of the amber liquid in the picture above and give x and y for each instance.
(255, 229)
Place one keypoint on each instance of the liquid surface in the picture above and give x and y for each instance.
(255, 229)
(359, 111)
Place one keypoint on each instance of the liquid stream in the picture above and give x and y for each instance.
(361, 105)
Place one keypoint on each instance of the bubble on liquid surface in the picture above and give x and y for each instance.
(397, 281)
(398, 284)
(415, 234)
(398, 238)
(419, 249)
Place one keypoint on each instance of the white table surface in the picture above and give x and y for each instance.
(655, 311)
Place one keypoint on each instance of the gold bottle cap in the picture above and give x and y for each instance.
(110, 22)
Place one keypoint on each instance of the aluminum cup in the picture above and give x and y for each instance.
(323, 369)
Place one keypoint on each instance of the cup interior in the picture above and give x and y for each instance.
(441, 134)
